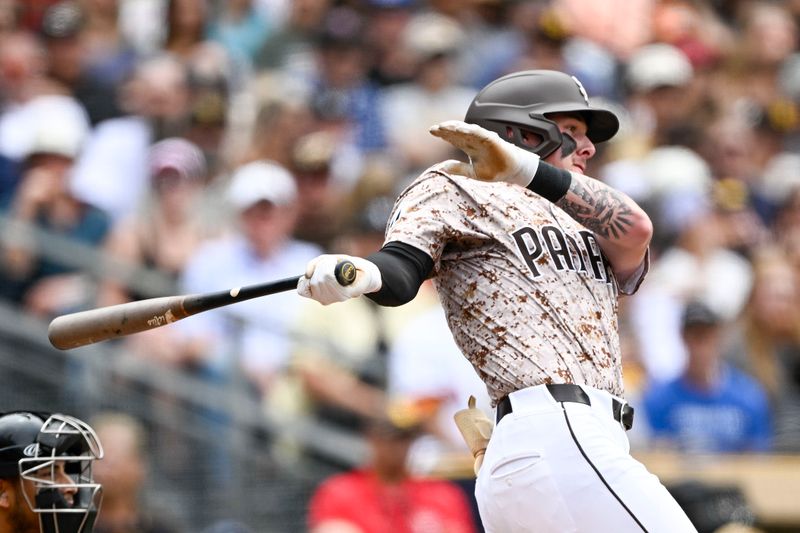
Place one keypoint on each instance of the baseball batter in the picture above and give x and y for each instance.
(528, 256)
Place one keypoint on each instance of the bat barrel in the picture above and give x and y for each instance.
(95, 325)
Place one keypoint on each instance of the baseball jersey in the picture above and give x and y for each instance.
(528, 294)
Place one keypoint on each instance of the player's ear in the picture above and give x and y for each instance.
(5, 497)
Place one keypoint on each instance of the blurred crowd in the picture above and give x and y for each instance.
(219, 144)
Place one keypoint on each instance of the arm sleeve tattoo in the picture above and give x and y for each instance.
(598, 207)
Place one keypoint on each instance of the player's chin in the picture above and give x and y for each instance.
(578, 168)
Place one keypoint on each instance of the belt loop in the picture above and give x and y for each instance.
(623, 412)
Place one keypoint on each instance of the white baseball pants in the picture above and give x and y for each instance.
(562, 467)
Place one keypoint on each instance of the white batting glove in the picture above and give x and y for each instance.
(320, 283)
(491, 158)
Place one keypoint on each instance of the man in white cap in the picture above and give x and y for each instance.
(250, 335)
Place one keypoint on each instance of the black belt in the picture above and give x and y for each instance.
(568, 392)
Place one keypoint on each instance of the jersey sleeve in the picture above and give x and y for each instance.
(632, 283)
(432, 213)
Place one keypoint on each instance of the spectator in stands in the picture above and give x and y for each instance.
(389, 64)
(242, 29)
(250, 337)
(186, 25)
(291, 47)
(21, 127)
(281, 118)
(112, 171)
(697, 265)
(767, 343)
(123, 472)
(426, 367)
(767, 34)
(662, 96)
(62, 24)
(382, 496)
(712, 407)
(108, 57)
(45, 199)
(432, 96)
(213, 84)
(787, 228)
(87, 56)
(324, 169)
(23, 80)
(342, 97)
(187, 39)
(738, 171)
(167, 228)
(338, 374)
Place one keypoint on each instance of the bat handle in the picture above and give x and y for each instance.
(345, 272)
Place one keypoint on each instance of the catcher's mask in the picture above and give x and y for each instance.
(521, 102)
(55, 454)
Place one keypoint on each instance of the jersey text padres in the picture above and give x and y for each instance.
(528, 294)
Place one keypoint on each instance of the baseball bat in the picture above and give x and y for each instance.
(96, 325)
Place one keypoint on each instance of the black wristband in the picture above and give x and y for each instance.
(550, 182)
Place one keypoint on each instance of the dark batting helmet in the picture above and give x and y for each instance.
(32, 445)
(523, 100)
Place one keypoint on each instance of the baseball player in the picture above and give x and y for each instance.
(46, 483)
(528, 256)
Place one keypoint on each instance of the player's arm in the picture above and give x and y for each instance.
(391, 276)
(622, 228)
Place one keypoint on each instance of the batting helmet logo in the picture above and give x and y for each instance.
(581, 88)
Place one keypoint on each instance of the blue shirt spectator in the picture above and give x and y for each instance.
(734, 416)
(711, 406)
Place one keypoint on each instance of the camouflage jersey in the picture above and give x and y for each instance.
(529, 297)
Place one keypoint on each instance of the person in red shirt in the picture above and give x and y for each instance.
(383, 496)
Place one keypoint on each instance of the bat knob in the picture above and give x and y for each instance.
(345, 272)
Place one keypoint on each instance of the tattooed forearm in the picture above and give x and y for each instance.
(597, 207)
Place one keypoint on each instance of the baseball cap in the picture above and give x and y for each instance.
(57, 124)
(432, 34)
(180, 155)
(62, 20)
(780, 177)
(342, 27)
(658, 65)
(261, 180)
(677, 168)
(314, 152)
(403, 418)
(698, 313)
